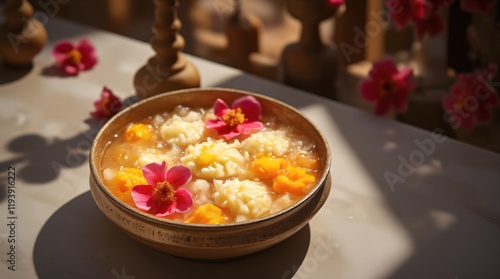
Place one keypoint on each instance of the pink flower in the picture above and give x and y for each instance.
(388, 87)
(471, 99)
(242, 118)
(473, 6)
(107, 106)
(424, 14)
(163, 196)
(336, 3)
(73, 59)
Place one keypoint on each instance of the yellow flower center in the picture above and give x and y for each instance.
(75, 56)
(163, 192)
(234, 117)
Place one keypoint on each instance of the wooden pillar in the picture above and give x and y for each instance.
(169, 69)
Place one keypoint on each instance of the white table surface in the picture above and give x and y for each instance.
(440, 222)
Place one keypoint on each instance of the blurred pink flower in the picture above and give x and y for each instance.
(163, 196)
(336, 3)
(471, 99)
(107, 106)
(75, 58)
(242, 118)
(473, 6)
(424, 14)
(388, 87)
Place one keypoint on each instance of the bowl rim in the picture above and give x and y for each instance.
(162, 221)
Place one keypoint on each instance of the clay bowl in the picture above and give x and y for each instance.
(207, 242)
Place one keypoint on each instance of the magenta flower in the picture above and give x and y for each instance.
(473, 6)
(107, 106)
(471, 99)
(75, 58)
(242, 118)
(388, 87)
(163, 196)
(424, 14)
(336, 3)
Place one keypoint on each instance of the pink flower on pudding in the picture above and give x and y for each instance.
(107, 106)
(473, 6)
(471, 99)
(388, 87)
(75, 58)
(241, 119)
(163, 196)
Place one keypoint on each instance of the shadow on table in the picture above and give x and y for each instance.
(79, 241)
(9, 74)
(449, 218)
(39, 159)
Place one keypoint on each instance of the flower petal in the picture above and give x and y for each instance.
(219, 107)
(247, 127)
(382, 107)
(141, 195)
(178, 175)
(183, 199)
(215, 124)
(250, 107)
(89, 57)
(70, 69)
(155, 173)
(61, 51)
(383, 69)
(370, 90)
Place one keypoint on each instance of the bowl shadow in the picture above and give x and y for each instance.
(78, 240)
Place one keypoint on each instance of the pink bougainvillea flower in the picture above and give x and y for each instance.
(388, 87)
(107, 106)
(75, 58)
(471, 99)
(163, 196)
(241, 119)
(424, 14)
(473, 6)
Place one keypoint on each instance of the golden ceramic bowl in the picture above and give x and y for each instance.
(207, 242)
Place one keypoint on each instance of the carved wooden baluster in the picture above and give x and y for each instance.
(169, 69)
(21, 36)
(242, 33)
(309, 64)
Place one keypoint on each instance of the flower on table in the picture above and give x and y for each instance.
(388, 87)
(163, 195)
(473, 6)
(107, 106)
(424, 14)
(241, 119)
(75, 58)
(471, 99)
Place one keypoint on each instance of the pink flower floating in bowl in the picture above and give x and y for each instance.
(241, 119)
(75, 58)
(163, 195)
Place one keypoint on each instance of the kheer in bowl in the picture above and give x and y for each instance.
(210, 174)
